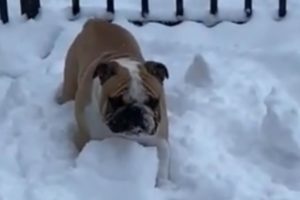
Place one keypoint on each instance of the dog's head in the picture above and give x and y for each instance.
(131, 94)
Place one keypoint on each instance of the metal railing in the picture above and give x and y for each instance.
(30, 8)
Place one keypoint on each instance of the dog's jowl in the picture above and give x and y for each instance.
(116, 91)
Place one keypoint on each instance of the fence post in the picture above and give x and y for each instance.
(282, 8)
(145, 8)
(23, 5)
(75, 7)
(3, 11)
(248, 8)
(213, 7)
(110, 6)
(30, 8)
(179, 8)
(33, 8)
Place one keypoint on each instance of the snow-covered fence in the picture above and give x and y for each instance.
(30, 8)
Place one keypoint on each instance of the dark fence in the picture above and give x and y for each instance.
(30, 8)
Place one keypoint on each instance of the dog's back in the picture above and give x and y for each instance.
(98, 37)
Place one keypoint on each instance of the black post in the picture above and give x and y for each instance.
(282, 8)
(145, 8)
(213, 7)
(110, 6)
(179, 8)
(23, 5)
(248, 8)
(3, 11)
(36, 7)
(30, 8)
(75, 7)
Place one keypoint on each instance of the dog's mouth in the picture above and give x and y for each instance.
(131, 120)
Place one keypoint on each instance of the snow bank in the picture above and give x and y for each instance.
(232, 100)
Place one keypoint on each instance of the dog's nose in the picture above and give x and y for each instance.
(134, 113)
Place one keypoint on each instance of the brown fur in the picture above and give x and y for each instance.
(96, 38)
(101, 41)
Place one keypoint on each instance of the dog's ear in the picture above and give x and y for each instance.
(105, 70)
(157, 69)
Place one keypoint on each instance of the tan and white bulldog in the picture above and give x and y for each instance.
(116, 92)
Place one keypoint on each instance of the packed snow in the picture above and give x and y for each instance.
(232, 96)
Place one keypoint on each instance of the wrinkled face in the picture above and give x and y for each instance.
(131, 116)
(132, 91)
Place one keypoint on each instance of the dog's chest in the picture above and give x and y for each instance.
(97, 129)
(94, 124)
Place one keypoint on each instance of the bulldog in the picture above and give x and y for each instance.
(116, 92)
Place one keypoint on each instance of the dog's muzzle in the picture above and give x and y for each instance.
(132, 119)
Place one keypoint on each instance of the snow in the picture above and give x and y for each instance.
(234, 127)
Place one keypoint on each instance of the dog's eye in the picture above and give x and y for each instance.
(152, 102)
(116, 102)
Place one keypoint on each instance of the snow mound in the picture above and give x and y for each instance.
(198, 73)
(120, 160)
(232, 102)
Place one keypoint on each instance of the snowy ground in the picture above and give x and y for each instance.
(234, 123)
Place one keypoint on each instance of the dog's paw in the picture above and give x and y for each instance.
(58, 98)
(80, 140)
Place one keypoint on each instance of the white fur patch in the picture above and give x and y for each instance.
(96, 94)
(136, 90)
(93, 116)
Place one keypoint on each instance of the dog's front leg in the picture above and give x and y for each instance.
(81, 136)
(80, 139)
(163, 152)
